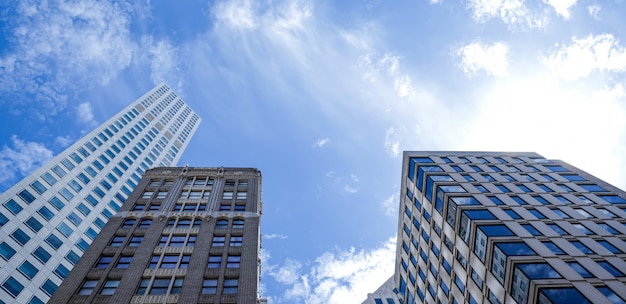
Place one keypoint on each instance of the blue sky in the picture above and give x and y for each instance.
(323, 97)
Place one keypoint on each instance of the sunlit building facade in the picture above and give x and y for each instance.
(185, 235)
(50, 218)
(488, 227)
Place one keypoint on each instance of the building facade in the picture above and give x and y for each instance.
(52, 216)
(385, 294)
(487, 227)
(185, 235)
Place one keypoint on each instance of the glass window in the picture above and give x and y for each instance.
(51, 180)
(609, 247)
(145, 223)
(124, 261)
(215, 261)
(583, 229)
(580, 269)
(592, 188)
(530, 228)
(39, 187)
(231, 286)
(209, 286)
(20, 236)
(58, 171)
(41, 254)
(135, 241)
(61, 271)
(610, 268)
(537, 214)
(88, 287)
(538, 271)
(28, 269)
(609, 294)
(584, 249)
(512, 214)
(553, 247)
(236, 241)
(556, 228)
(33, 224)
(104, 262)
(13, 206)
(13, 286)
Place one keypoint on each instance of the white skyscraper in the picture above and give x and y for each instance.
(49, 218)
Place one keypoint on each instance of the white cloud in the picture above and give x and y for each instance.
(238, 14)
(594, 10)
(586, 55)
(85, 41)
(22, 158)
(391, 143)
(163, 57)
(490, 58)
(561, 6)
(272, 236)
(321, 143)
(350, 189)
(390, 205)
(84, 111)
(345, 276)
(64, 141)
(512, 12)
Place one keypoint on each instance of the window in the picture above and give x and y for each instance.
(242, 195)
(227, 195)
(33, 224)
(557, 229)
(218, 241)
(553, 247)
(147, 194)
(109, 287)
(238, 224)
(580, 269)
(610, 268)
(583, 229)
(613, 298)
(39, 187)
(13, 206)
(124, 261)
(608, 228)
(41, 254)
(61, 271)
(537, 214)
(215, 261)
(28, 270)
(129, 223)
(20, 236)
(135, 241)
(221, 224)
(584, 249)
(240, 208)
(233, 261)
(609, 247)
(51, 180)
(145, 223)
(104, 262)
(161, 194)
(512, 214)
(230, 286)
(117, 241)
(209, 286)
(88, 287)
(530, 228)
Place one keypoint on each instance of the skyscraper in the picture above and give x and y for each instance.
(185, 235)
(50, 217)
(487, 227)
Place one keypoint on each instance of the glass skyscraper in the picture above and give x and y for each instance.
(490, 227)
(49, 219)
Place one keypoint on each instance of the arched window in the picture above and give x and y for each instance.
(128, 223)
(238, 224)
(145, 223)
(222, 224)
(196, 224)
(170, 223)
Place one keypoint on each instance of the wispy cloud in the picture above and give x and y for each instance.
(63, 141)
(84, 112)
(562, 6)
(277, 236)
(21, 159)
(594, 10)
(586, 55)
(390, 205)
(490, 58)
(321, 143)
(391, 143)
(86, 42)
(514, 13)
(343, 276)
